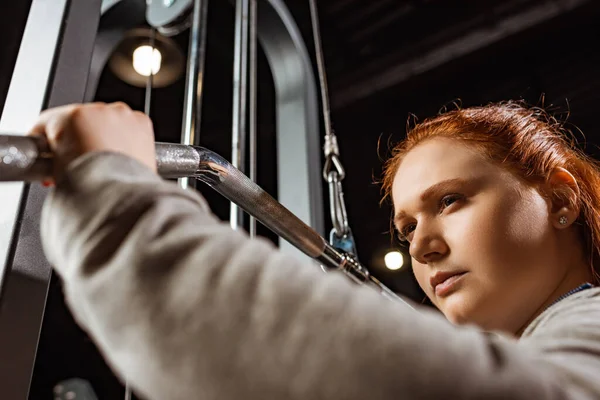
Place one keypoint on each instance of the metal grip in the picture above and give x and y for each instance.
(24, 158)
(215, 171)
(176, 160)
(27, 158)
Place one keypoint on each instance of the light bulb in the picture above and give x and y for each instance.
(394, 260)
(146, 60)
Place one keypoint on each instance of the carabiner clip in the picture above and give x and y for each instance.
(337, 206)
(344, 243)
(333, 172)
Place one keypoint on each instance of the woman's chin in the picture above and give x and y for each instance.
(458, 309)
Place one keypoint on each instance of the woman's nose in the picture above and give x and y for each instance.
(427, 245)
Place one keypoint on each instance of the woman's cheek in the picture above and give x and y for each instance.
(421, 276)
(467, 230)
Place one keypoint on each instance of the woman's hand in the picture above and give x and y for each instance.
(78, 129)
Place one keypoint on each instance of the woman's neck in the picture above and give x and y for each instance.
(575, 276)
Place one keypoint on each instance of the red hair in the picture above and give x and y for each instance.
(526, 141)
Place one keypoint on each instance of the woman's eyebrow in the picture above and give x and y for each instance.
(430, 191)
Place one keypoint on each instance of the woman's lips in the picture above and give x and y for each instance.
(447, 284)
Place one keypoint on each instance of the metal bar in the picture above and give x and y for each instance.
(252, 102)
(192, 111)
(297, 106)
(177, 160)
(25, 158)
(147, 103)
(25, 100)
(45, 75)
(149, 81)
(240, 73)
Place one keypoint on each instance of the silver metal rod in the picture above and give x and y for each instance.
(147, 104)
(128, 392)
(150, 80)
(252, 102)
(192, 110)
(26, 158)
(240, 73)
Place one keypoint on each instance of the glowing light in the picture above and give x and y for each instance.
(394, 260)
(146, 60)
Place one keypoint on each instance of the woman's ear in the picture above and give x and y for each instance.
(563, 195)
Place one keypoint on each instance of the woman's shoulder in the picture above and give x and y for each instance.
(566, 337)
(574, 316)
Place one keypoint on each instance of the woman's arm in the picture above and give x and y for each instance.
(185, 308)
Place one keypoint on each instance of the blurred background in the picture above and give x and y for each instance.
(385, 60)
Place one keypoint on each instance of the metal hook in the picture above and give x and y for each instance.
(337, 205)
(330, 162)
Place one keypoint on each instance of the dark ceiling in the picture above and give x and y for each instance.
(385, 59)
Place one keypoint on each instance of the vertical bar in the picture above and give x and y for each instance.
(150, 80)
(147, 103)
(51, 70)
(192, 112)
(252, 101)
(240, 73)
(299, 172)
(24, 102)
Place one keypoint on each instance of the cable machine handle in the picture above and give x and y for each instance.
(29, 158)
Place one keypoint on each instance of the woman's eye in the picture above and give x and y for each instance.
(448, 200)
(405, 233)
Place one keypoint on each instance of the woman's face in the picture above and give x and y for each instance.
(482, 245)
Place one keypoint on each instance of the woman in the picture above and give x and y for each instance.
(511, 213)
(501, 217)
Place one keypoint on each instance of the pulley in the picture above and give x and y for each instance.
(170, 17)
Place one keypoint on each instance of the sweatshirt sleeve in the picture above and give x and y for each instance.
(183, 307)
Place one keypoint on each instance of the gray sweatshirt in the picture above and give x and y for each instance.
(185, 308)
